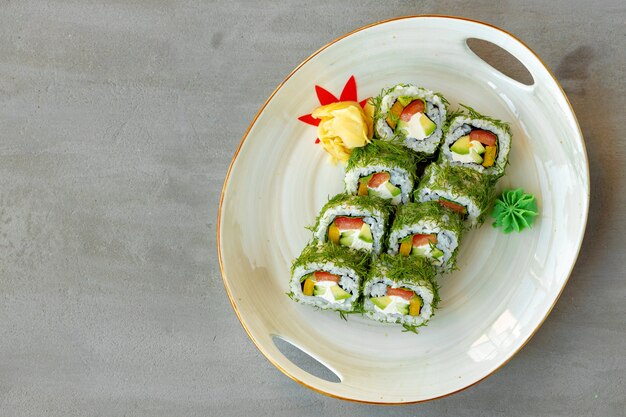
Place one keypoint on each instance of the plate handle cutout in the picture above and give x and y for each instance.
(304, 361)
(501, 60)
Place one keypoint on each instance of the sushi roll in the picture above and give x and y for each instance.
(328, 276)
(477, 142)
(428, 230)
(356, 222)
(460, 189)
(413, 114)
(381, 169)
(400, 290)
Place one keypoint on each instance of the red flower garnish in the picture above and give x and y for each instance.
(349, 93)
(324, 96)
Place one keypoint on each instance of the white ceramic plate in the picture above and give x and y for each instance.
(506, 285)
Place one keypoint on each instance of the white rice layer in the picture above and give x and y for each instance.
(373, 219)
(349, 282)
(435, 110)
(462, 126)
(378, 288)
(398, 177)
(447, 240)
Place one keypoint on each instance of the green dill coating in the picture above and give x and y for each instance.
(339, 256)
(412, 270)
(460, 181)
(376, 101)
(475, 115)
(412, 213)
(386, 153)
(450, 117)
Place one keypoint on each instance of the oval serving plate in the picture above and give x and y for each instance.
(506, 285)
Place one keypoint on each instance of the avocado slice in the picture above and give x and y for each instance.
(436, 253)
(461, 146)
(381, 302)
(339, 293)
(422, 251)
(307, 276)
(366, 233)
(404, 100)
(476, 157)
(366, 179)
(393, 190)
(319, 290)
(428, 125)
(402, 308)
(347, 238)
(477, 147)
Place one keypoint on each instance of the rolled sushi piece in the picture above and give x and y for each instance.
(428, 230)
(478, 142)
(356, 222)
(460, 189)
(413, 114)
(328, 276)
(401, 290)
(381, 169)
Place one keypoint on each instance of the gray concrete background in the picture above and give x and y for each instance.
(118, 121)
